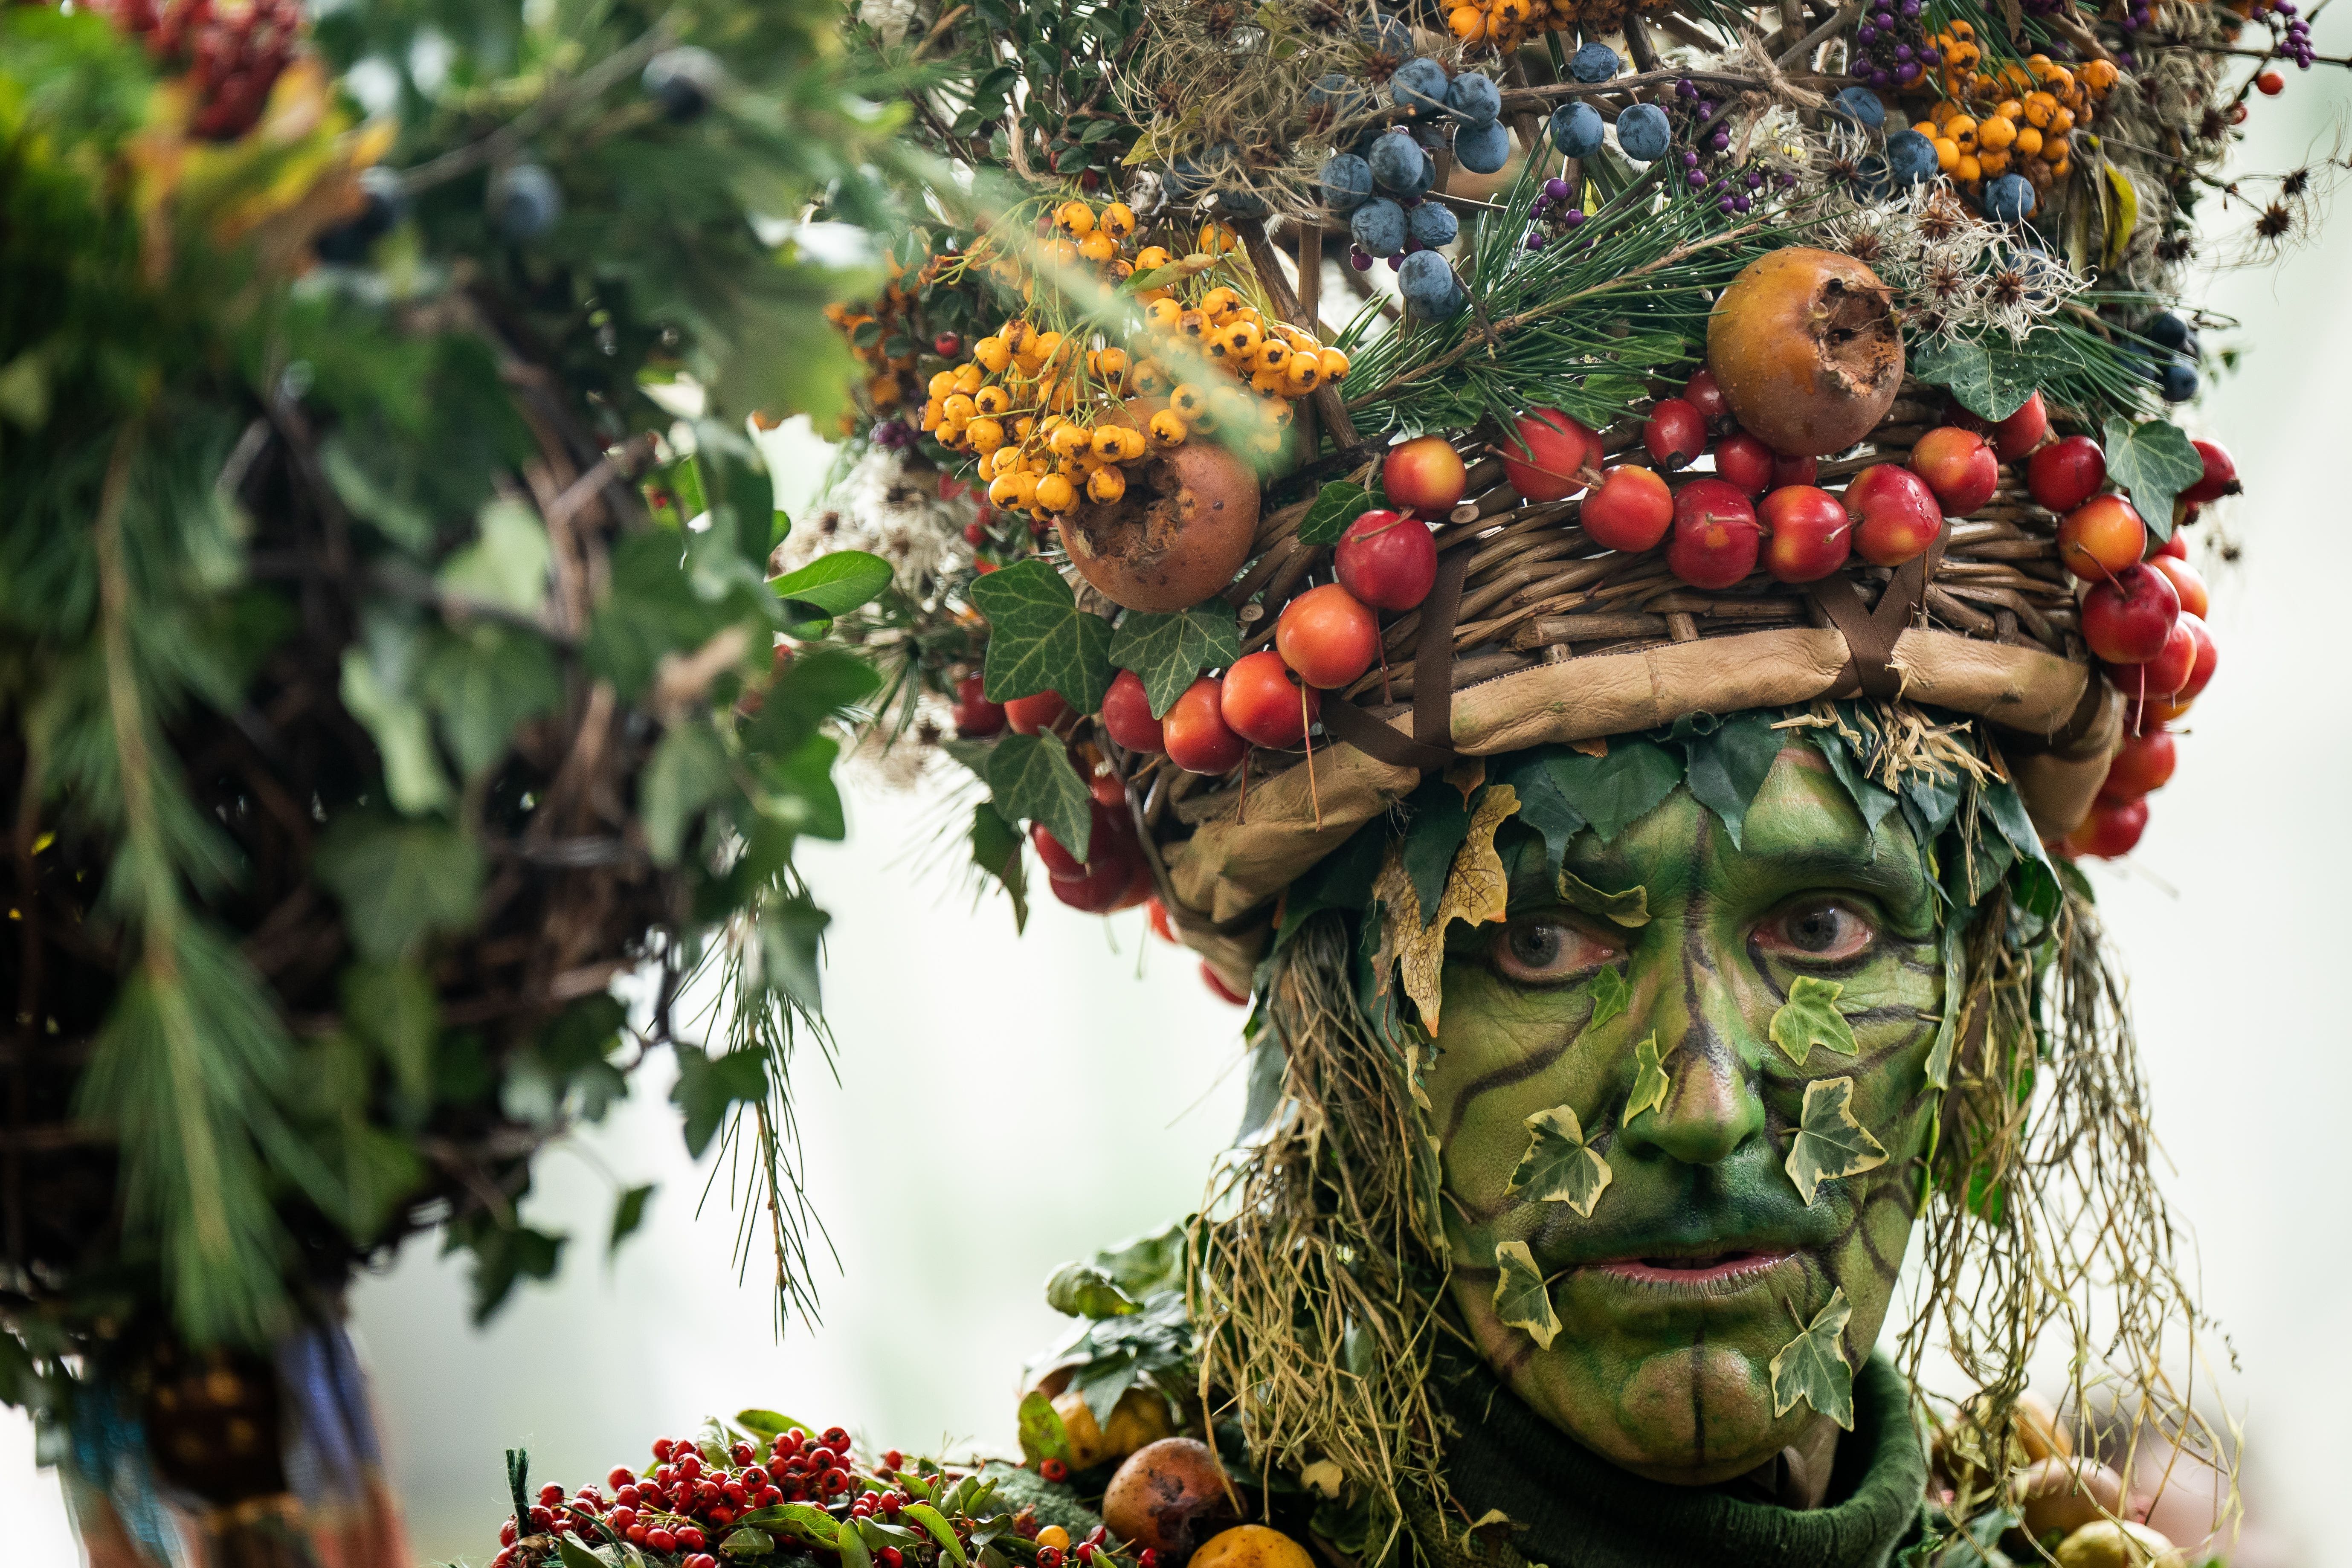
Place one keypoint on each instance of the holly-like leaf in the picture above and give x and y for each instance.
(1337, 505)
(2155, 461)
(1812, 1366)
(1809, 1017)
(1650, 1080)
(1476, 891)
(1611, 791)
(1830, 1142)
(1033, 781)
(1560, 1167)
(1611, 996)
(1543, 805)
(1990, 383)
(996, 849)
(1038, 639)
(1169, 652)
(1522, 1300)
(1630, 909)
(1727, 765)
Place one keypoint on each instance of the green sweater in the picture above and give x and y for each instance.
(1569, 1508)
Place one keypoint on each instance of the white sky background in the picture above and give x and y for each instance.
(1008, 1103)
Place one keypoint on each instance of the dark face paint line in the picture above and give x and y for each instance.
(1700, 1259)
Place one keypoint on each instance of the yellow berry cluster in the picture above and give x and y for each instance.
(2013, 116)
(1507, 24)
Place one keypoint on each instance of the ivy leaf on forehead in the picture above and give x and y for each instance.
(1559, 1166)
(1650, 1080)
(1809, 1017)
(1614, 790)
(1542, 804)
(1522, 1300)
(1726, 768)
(1830, 1142)
(1630, 909)
(1437, 823)
(1611, 996)
(1168, 651)
(1812, 1366)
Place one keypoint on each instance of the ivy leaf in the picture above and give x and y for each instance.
(1726, 768)
(1630, 907)
(1038, 639)
(628, 1214)
(1542, 804)
(413, 777)
(789, 931)
(483, 682)
(1989, 384)
(507, 564)
(2155, 461)
(1033, 781)
(1611, 996)
(1169, 651)
(1560, 1167)
(1830, 1142)
(1477, 892)
(1650, 1080)
(996, 849)
(398, 880)
(1812, 1366)
(1809, 1017)
(1522, 1300)
(1613, 791)
(1337, 505)
(708, 1088)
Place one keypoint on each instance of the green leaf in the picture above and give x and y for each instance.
(1042, 1431)
(1989, 384)
(689, 771)
(1038, 639)
(853, 1550)
(996, 849)
(1031, 780)
(1650, 1080)
(1809, 1017)
(751, 1541)
(1954, 944)
(1630, 907)
(628, 1214)
(1082, 1290)
(1558, 1166)
(1725, 767)
(1169, 651)
(397, 880)
(1611, 996)
(1438, 821)
(1812, 1366)
(1522, 1300)
(802, 1521)
(574, 1555)
(1337, 505)
(933, 1522)
(1543, 805)
(1871, 798)
(791, 930)
(766, 1424)
(413, 777)
(395, 1008)
(708, 1088)
(484, 681)
(507, 564)
(1830, 1142)
(1613, 792)
(833, 584)
(2155, 461)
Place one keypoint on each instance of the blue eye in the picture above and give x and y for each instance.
(1536, 951)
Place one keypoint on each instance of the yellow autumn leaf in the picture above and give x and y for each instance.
(1476, 890)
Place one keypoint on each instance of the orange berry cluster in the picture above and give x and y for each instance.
(870, 326)
(2015, 117)
(1277, 361)
(1507, 24)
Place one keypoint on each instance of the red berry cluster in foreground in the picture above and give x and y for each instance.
(231, 52)
(687, 1503)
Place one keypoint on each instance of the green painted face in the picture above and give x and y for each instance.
(1700, 1259)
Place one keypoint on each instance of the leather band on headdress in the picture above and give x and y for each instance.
(1870, 634)
(1431, 744)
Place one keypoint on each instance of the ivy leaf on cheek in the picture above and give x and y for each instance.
(1522, 1300)
(1830, 1142)
(1810, 1018)
(1558, 1166)
(1812, 1367)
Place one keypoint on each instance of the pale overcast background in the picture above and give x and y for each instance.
(1006, 1103)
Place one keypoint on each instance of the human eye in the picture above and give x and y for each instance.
(1545, 950)
(1817, 929)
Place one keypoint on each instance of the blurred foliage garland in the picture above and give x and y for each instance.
(387, 663)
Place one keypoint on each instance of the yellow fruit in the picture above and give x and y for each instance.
(1004, 487)
(1152, 257)
(1948, 154)
(1163, 314)
(993, 353)
(1252, 1546)
(1300, 374)
(1150, 379)
(2062, 168)
(1055, 1536)
(984, 433)
(2062, 122)
(1130, 446)
(1168, 429)
(1098, 248)
(991, 400)
(2098, 76)
(1105, 444)
(932, 413)
(942, 383)
(1334, 364)
(1993, 163)
(1056, 493)
(1967, 171)
(1468, 23)
(1105, 485)
(1962, 130)
(1216, 239)
(956, 408)
(1194, 324)
(1107, 361)
(1926, 128)
(1118, 220)
(1217, 302)
(1066, 440)
(2028, 143)
(2107, 1544)
(885, 391)
(1190, 401)
(1003, 461)
(1271, 354)
(968, 378)
(1236, 340)
(1024, 427)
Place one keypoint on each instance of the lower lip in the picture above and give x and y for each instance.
(1730, 1271)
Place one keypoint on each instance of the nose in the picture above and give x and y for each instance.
(1711, 1108)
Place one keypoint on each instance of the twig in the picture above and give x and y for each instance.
(613, 69)
(1802, 50)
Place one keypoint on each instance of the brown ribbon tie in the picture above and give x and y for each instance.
(1431, 744)
(1871, 634)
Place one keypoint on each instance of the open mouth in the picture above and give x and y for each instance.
(1714, 1270)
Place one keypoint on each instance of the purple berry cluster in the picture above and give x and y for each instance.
(1554, 213)
(1891, 47)
(1735, 191)
(2290, 33)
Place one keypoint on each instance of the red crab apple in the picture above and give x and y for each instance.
(1958, 466)
(1807, 534)
(2065, 474)
(1675, 432)
(1631, 509)
(1027, 715)
(2142, 763)
(1387, 559)
(2127, 618)
(1548, 456)
(1261, 701)
(1108, 879)
(1745, 461)
(1199, 739)
(2112, 829)
(2101, 537)
(1894, 514)
(1788, 470)
(1715, 539)
(2220, 476)
(976, 718)
(2194, 599)
(1702, 394)
(2201, 669)
(1425, 475)
(2161, 677)
(1217, 986)
(1327, 636)
(1126, 715)
(2023, 431)
(2175, 546)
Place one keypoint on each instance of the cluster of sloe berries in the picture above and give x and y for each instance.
(2173, 367)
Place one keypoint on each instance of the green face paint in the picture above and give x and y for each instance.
(1700, 1260)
